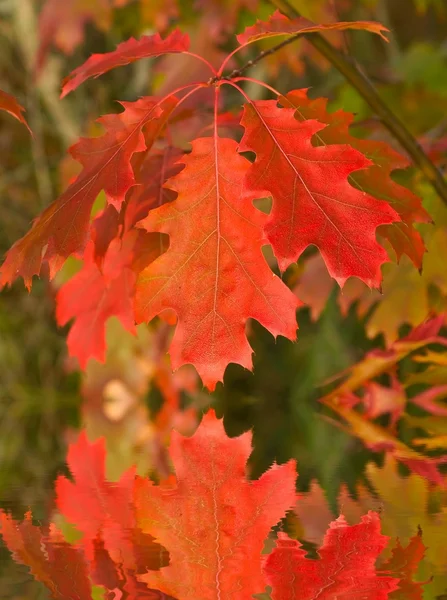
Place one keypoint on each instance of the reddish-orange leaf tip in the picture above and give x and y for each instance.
(10, 105)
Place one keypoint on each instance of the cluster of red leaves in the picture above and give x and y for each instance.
(212, 520)
(360, 389)
(326, 192)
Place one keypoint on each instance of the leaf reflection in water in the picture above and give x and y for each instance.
(200, 534)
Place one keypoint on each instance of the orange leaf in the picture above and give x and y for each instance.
(215, 259)
(279, 24)
(346, 568)
(214, 520)
(376, 179)
(62, 228)
(313, 201)
(9, 104)
(127, 52)
(60, 566)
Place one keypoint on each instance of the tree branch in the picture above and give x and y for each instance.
(365, 88)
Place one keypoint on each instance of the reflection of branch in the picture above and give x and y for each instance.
(365, 88)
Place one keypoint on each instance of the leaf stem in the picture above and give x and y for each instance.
(203, 60)
(258, 82)
(254, 61)
(365, 88)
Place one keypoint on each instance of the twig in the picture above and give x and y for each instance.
(365, 88)
(262, 55)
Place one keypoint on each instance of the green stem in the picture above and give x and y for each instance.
(365, 88)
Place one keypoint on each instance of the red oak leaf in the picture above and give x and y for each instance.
(105, 286)
(60, 566)
(103, 511)
(215, 258)
(376, 179)
(313, 201)
(103, 230)
(403, 564)
(65, 569)
(346, 568)
(127, 52)
(213, 519)
(95, 294)
(62, 228)
(279, 24)
(150, 192)
(9, 104)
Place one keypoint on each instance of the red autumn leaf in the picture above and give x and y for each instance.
(313, 201)
(376, 179)
(151, 192)
(403, 564)
(10, 105)
(104, 229)
(213, 520)
(95, 294)
(216, 234)
(279, 24)
(215, 258)
(62, 228)
(57, 564)
(346, 568)
(105, 286)
(127, 52)
(103, 510)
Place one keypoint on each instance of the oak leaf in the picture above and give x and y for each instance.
(376, 180)
(313, 201)
(346, 567)
(278, 24)
(62, 228)
(103, 511)
(215, 258)
(127, 52)
(117, 252)
(212, 518)
(95, 294)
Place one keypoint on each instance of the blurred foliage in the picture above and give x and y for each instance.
(40, 391)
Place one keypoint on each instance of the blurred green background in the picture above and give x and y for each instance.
(43, 397)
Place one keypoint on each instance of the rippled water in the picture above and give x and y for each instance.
(411, 512)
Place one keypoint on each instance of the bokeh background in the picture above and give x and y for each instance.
(133, 399)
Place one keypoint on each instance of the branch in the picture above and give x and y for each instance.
(261, 55)
(365, 88)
